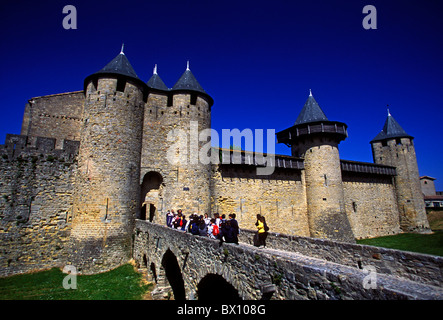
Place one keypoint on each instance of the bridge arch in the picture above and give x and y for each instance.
(173, 274)
(214, 286)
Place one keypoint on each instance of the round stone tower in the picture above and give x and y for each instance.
(174, 120)
(316, 139)
(107, 188)
(394, 147)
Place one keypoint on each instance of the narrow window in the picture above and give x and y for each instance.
(121, 84)
(169, 101)
(94, 85)
(193, 99)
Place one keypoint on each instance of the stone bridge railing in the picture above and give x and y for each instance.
(192, 266)
(414, 266)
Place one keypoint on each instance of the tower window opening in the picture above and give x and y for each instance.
(398, 141)
(384, 143)
(121, 84)
(193, 99)
(94, 84)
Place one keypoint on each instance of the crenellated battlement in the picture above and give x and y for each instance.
(20, 145)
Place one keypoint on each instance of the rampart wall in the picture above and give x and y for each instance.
(56, 116)
(369, 198)
(280, 197)
(36, 184)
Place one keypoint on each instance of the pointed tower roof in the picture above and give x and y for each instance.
(312, 121)
(120, 65)
(156, 82)
(391, 130)
(311, 112)
(188, 82)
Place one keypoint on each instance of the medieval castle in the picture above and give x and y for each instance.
(88, 163)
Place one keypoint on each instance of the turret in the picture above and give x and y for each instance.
(394, 147)
(173, 120)
(315, 138)
(107, 188)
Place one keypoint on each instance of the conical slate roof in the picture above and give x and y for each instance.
(188, 82)
(156, 82)
(311, 112)
(120, 65)
(391, 129)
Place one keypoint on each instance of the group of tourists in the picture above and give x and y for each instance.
(215, 228)
(218, 227)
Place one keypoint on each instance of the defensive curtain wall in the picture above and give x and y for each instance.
(290, 267)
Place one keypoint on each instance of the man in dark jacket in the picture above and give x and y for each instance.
(233, 230)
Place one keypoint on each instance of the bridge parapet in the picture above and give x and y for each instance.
(387, 261)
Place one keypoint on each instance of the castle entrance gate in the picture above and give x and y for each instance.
(151, 196)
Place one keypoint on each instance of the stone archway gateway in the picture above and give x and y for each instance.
(150, 196)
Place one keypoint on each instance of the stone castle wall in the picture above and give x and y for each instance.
(169, 135)
(280, 197)
(369, 200)
(107, 186)
(136, 140)
(371, 205)
(401, 154)
(56, 116)
(36, 185)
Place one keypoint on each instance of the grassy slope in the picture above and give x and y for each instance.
(122, 283)
(423, 243)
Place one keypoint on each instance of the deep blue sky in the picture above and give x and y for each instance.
(257, 59)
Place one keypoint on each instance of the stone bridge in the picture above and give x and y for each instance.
(191, 267)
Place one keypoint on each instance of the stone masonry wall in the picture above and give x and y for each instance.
(56, 116)
(401, 154)
(371, 205)
(324, 191)
(167, 135)
(36, 185)
(280, 197)
(107, 186)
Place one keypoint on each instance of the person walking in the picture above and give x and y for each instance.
(262, 233)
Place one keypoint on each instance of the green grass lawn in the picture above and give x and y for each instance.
(423, 243)
(122, 283)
